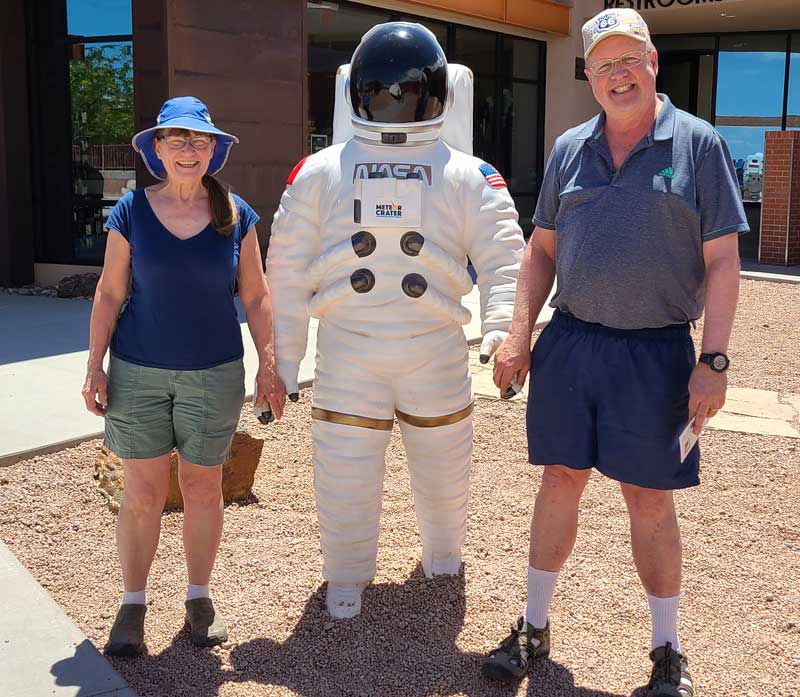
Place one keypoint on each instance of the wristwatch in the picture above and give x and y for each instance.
(718, 362)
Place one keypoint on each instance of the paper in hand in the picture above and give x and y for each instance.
(687, 439)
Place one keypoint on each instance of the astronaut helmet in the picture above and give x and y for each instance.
(398, 86)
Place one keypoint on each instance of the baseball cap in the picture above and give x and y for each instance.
(613, 22)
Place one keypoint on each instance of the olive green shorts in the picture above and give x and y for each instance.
(153, 410)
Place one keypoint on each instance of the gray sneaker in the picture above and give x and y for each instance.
(670, 676)
(207, 628)
(127, 634)
(509, 662)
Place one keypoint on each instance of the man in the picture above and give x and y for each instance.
(636, 219)
(372, 237)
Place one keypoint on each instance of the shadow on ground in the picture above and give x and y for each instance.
(86, 671)
(417, 654)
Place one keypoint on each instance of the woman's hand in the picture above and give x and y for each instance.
(95, 391)
(270, 388)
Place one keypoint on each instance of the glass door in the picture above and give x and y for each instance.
(101, 119)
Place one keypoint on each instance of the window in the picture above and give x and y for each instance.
(334, 31)
(476, 49)
(101, 118)
(508, 87)
(439, 29)
(793, 103)
(750, 90)
(686, 73)
(507, 101)
(99, 17)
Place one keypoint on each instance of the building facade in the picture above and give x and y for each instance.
(79, 77)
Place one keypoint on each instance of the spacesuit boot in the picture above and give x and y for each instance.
(343, 600)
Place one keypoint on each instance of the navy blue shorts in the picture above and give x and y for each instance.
(613, 399)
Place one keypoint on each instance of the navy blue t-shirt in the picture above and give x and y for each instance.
(181, 314)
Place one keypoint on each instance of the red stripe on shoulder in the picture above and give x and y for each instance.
(296, 170)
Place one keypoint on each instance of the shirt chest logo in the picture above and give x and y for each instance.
(667, 173)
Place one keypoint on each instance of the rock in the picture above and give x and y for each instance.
(238, 473)
(78, 286)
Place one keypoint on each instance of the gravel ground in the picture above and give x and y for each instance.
(740, 613)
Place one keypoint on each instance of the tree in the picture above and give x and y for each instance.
(101, 86)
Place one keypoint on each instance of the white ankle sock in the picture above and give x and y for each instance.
(541, 586)
(195, 592)
(134, 598)
(664, 614)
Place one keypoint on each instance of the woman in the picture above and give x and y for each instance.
(176, 375)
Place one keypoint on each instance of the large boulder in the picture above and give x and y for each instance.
(80, 285)
(238, 473)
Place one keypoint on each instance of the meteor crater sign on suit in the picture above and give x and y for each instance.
(372, 237)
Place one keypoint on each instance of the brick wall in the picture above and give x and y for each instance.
(780, 207)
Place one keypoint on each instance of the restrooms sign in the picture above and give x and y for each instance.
(661, 4)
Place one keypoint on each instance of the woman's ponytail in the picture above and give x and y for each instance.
(224, 214)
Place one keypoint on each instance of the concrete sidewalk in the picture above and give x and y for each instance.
(42, 652)
(43, 354)
(769, 272)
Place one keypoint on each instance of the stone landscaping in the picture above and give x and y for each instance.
(740, 613)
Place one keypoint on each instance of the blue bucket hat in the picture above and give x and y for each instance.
(182, 112)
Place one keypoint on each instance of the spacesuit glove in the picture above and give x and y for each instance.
(288, 373)
(491, 342)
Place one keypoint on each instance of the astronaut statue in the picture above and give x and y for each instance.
(372, 237)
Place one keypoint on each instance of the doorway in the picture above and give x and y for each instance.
(687, 78)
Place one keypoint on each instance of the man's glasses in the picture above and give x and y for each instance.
(626, 60)
(179, 143)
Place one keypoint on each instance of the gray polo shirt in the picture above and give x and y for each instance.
(629, 243)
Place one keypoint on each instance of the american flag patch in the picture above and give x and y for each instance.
(493, 177)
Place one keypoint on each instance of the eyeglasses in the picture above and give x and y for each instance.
(626, 60)
(179, 143)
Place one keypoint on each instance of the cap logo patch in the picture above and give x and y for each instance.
(606, 22)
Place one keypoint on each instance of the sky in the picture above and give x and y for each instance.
(98, 17)
(751, 84)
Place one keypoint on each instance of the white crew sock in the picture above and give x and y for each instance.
(134, 598)
(541, 586)
(195, 592)
(664, 614)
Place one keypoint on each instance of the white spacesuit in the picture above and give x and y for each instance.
(372, 237)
